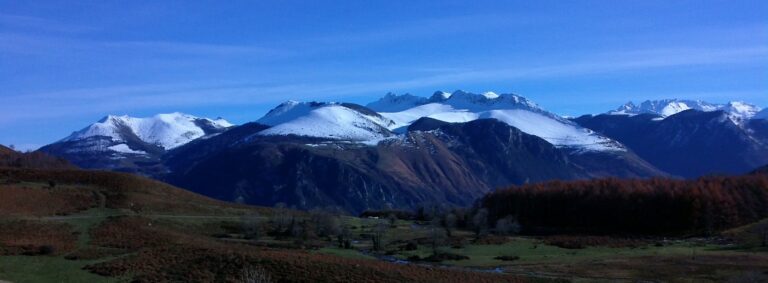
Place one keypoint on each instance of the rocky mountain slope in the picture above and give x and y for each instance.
(690, 143)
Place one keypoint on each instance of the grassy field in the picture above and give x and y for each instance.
(204, 240)
(23, 269)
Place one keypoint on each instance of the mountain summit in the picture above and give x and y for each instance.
(514, 110)
(738, 111)
(113, 139)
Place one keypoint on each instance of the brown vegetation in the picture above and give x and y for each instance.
(19, 199)
(20, 237)
(35, 159)
(118, 190)
(656, 206)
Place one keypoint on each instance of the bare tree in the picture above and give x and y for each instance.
(507, 226)
(344, 238)
(480, 222)
(379, 230)
(251, 225)
(449, 223)
(281, 218)
(762, 231)
(436, 234)
(392, 218)
(254, 274)
(325, 222)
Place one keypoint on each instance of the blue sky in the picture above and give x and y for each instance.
(65, 64)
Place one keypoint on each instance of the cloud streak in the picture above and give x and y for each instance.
(155, 96)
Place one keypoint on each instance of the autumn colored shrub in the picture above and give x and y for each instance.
(22, 237)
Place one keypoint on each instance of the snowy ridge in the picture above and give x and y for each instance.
(517, 111)
(737, 111)
(355, 123)
(167, 131)
(392, 102)
(325, 120)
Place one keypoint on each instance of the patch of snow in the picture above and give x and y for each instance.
(123, 148)
(673, 108)
(490, 95)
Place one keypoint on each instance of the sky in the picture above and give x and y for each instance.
(66, 64)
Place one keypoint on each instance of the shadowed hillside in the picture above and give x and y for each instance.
(34, 159)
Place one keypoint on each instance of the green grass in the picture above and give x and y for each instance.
(83, 222)
(22, 269)
(530, 252)
(346, 253)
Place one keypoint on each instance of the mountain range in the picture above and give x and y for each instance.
(403, 150)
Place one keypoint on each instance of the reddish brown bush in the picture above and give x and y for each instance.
(21, 237)
(29, 201)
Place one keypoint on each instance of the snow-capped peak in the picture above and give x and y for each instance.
(392, 102)
(338, 121)
(517, 111)
(164, 130)
(664, 107)
(737, 111)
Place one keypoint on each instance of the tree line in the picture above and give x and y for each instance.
(646, 207)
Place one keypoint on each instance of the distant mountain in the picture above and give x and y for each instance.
(738, 111)
(118, 142)
(665, 107)
(515, 110)
(447, 148)
(443, 162)
(691, 143)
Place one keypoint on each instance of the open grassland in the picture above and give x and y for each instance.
(137, 230)
(83, 228)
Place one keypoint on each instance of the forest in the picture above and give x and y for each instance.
(660, 207)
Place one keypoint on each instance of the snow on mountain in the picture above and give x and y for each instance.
(740, 111)
(514, 110)
(123, 148)
(392, 102)
(167, 131)
(338, 121)
(737, 111)
(664, 107)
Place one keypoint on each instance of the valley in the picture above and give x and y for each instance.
(80, 236)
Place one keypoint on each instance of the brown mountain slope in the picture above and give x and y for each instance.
(35, 192)
(35, 159)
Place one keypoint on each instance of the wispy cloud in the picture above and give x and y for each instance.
(45, 45)
(42, 24)
(126, 98)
